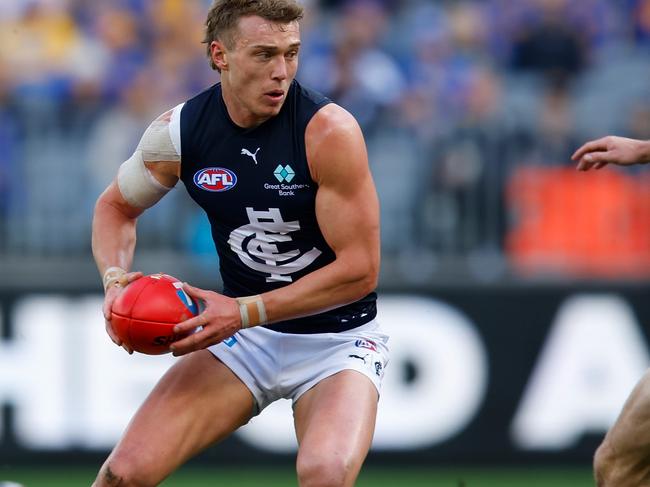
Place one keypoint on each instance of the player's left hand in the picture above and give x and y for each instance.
(612, 149)
(219, 320)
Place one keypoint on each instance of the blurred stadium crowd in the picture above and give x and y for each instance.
(471, 111)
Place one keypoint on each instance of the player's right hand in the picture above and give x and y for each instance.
(219, 320)
(112, 292)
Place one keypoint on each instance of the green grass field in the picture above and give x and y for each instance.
(370, 477)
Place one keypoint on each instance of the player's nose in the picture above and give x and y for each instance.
(279, 69)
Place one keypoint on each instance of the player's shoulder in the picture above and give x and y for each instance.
(333, 120)
(334, 143)
(167, 126)
(161, 140)
(169, 116)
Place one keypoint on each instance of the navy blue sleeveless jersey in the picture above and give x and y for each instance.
(256, 188)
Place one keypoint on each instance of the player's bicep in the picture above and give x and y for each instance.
(347, 208)
(112, 198)
(349, 219)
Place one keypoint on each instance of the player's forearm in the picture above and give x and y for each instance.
(339, 283)
(113, 237)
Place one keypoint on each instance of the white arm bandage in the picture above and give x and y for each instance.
(138, 186)
(160, 143)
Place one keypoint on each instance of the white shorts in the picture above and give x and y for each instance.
(276, 365)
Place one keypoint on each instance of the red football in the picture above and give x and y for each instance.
(145, 313)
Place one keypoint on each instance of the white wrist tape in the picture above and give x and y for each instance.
(252, 311)
(114, 276)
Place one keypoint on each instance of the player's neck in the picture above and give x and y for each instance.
(237, 110)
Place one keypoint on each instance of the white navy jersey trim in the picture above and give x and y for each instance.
(175, 128)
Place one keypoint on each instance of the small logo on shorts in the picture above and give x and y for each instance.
(363, 359)
(368, 344)
(379, 369)
(230, 342)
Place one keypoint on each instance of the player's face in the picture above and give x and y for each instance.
(259, 69)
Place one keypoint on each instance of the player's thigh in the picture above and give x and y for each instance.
(336, 417)
(198, 402)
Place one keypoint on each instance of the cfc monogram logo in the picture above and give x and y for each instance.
(256, 245)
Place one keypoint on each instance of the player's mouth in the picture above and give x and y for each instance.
(275, 96)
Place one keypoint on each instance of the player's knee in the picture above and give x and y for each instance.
(603, 461)
(608, 468)
(121, 472)
(323, 470)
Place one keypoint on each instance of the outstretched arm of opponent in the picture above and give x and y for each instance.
(612, 150)
(347, 211)
(140, 183)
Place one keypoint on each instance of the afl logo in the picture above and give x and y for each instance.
(215, 179)
(367, 344)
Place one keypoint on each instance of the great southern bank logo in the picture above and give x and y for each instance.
(284, 173)
(215, 179)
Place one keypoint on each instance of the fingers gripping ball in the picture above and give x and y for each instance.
(144, 315)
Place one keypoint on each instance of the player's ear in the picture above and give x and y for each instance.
(219, 55)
